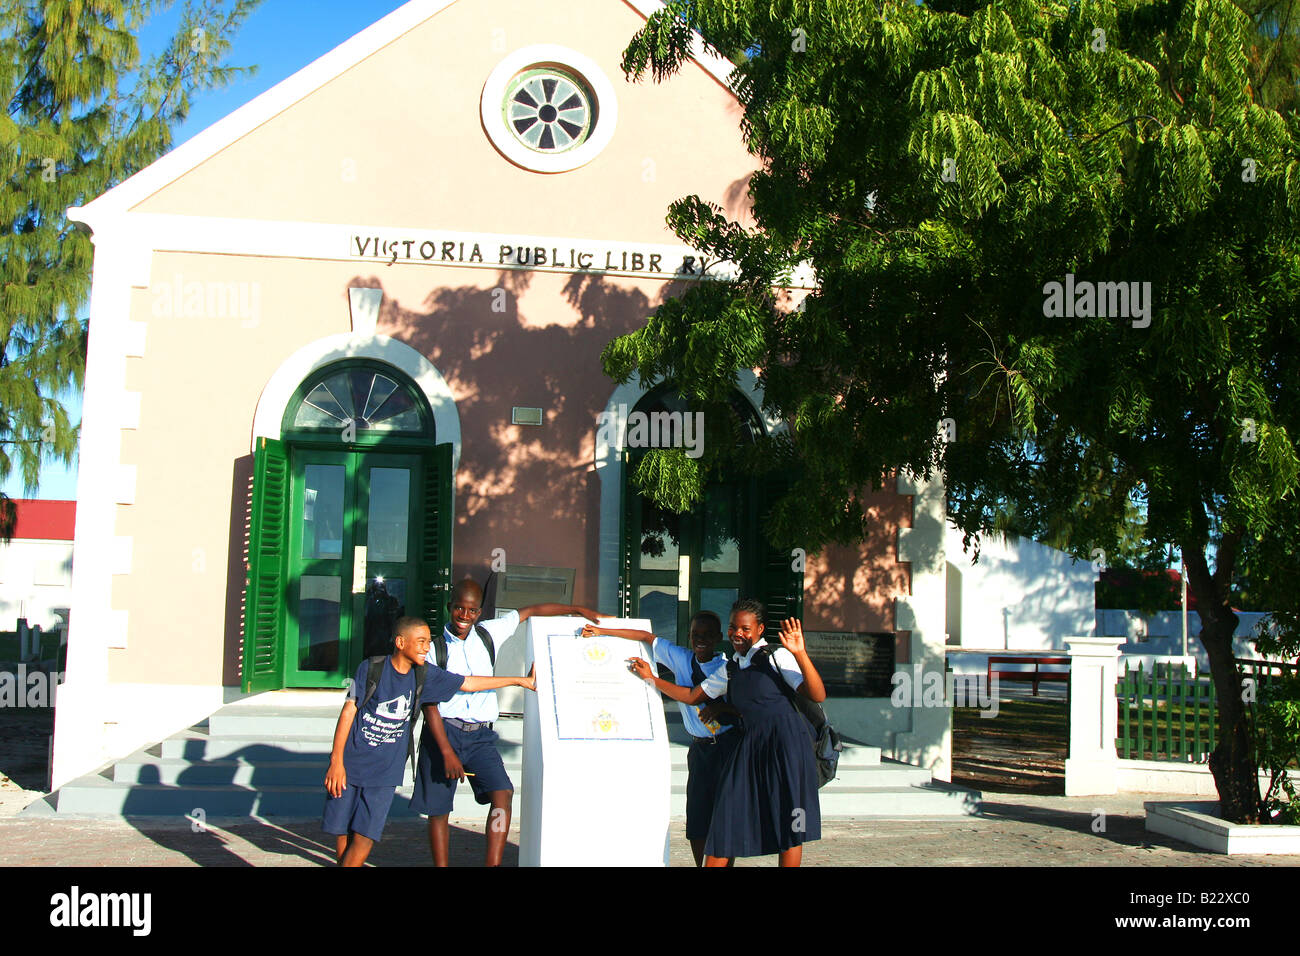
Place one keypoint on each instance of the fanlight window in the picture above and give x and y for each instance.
(361, 396)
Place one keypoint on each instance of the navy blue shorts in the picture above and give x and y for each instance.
(478, 754)
(705, 761)
(361, 810)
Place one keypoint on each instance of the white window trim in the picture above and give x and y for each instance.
(602, 91)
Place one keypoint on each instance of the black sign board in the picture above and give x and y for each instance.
(853, 663)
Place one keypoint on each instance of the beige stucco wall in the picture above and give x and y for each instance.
(532, 491)
(406, 121)
(398, 140)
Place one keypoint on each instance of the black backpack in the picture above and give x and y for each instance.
(373, 672)
(440, 646)
(826, 740)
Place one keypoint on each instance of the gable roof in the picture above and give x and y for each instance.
(217, 137)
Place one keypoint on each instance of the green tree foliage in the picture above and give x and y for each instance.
(84, 113)
(1274, 54)
(1269, 565)
(940, 167)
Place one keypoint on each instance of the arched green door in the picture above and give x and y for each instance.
(351, 528)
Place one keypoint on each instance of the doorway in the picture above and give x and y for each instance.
(697, 561)
(350, 528)
(352, 560)
(673, 564)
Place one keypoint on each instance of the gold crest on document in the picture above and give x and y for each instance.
(596, 653)
(604, 723)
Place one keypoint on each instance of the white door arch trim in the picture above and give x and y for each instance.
(609, 468)
(268, 418)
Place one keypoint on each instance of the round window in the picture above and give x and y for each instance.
(548, 110)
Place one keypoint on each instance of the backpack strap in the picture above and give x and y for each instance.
(374, 669)
(440, 646)
(812, 711)
(420, 671)
(766, 652)
(697, 672)
(486, 638)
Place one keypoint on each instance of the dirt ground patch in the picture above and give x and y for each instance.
(1021, 750)
(24, 752)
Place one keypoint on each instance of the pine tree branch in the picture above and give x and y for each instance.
(1272, 54)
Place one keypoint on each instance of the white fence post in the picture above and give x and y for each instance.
(1092, 767)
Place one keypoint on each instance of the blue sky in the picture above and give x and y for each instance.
(280, 38)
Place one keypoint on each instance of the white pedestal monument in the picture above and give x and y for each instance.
(596, 770)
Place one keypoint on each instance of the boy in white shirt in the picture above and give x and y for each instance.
(458, 739)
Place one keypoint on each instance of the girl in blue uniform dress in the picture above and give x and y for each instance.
(767, 798)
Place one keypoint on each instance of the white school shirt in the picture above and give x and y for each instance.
(678, 659)
(715, 685)
(470, 658)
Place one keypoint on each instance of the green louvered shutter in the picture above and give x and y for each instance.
(437, 520)
(265, 593)
(629, 547)
(780, 586)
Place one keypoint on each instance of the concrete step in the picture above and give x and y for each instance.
(196, 745)
(927, 801)
(255, 758)
(192, 745)
(275, 768)
(98, 796)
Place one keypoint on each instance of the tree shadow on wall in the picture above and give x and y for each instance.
(494, 358)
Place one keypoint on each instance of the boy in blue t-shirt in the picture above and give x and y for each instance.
(712, 740)
(369, 753)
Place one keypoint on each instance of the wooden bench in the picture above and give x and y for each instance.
(1036, 675)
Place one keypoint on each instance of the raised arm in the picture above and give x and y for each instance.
(473, 684)
(686, 695)
(594, 630)
(792, 640)
(560, 610)
(336, 778)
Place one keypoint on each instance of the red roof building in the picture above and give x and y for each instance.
(45, 520)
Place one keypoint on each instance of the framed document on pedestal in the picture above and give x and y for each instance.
(596, 773)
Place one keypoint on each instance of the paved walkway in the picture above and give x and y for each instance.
(1012, 830)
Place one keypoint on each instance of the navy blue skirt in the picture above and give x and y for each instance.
(767, 798)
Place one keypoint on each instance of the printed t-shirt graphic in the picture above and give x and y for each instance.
(376, 749)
